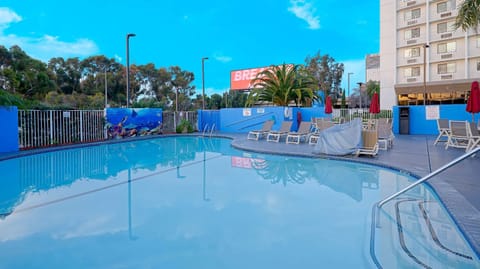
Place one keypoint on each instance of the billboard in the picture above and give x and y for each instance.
(242, 79)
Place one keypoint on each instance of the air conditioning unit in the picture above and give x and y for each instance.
(446, 56)
(411, 3)
(446, 35)
(411, 79)
(412, 22)
(411, 61)
(411, 41)
(446, 77)
(447, 14)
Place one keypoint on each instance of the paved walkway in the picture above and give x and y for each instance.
(458, 187)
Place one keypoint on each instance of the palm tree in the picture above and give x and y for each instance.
(282, 85)
(468, 15)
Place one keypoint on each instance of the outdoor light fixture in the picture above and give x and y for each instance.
(203, 82)
(128, 67)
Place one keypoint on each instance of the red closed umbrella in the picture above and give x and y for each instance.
(375, 104)
(473, 102)
(328, 105)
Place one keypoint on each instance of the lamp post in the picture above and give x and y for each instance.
(128, 66)
(203, 82)
(106, 98)
(348, 93)
(425, 46)
(360, 90)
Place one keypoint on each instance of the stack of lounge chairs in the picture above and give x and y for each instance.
(257, 134)
(304, 130)
(275, 136)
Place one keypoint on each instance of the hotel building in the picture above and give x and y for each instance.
(423, 59)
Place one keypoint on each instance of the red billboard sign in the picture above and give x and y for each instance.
(242, 79)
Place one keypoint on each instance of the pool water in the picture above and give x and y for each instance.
(194, 202)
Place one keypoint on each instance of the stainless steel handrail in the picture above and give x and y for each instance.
(205, 128)
(211, 130)
(427, 177)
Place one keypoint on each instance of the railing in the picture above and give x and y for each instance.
(39, 128)
(364, 113)
(427, 177)
(171, 119)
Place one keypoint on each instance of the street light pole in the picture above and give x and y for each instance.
(425, 46)
(203, 82)
(128, 67)
(348, 93)
(106, 101)
(360, 90)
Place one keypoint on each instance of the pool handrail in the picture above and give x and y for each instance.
(427, 177)
(205, 128)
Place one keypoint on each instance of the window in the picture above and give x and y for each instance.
(446, 68)
(447, 47)
(445, 27)
(412, 33)
(412, 72)
(446, 6)
(478, 42)
(478, 65)
(442, 7)
(412, 14)
(411, 53)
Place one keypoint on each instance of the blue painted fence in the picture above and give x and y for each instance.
(9, 133)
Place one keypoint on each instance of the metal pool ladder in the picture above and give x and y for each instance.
(427, 177)
(205, 129)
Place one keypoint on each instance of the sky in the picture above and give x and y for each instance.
(232, 34)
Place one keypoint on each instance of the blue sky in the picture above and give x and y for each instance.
(233, 34)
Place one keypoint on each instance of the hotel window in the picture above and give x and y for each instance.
(411, 53)
(447, 47)
(412, 33)
(446, 6)
(446, 68)
(442, 7)
(412, 14)
(478, 65)
(445, 27)
(412, 72)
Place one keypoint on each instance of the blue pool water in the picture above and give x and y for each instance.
(193, 202)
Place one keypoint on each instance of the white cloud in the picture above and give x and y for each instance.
(45, 47)
(304, 10)
(118, 58)
(222, 58)
(8, 16)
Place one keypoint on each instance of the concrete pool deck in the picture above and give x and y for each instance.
(458, 187)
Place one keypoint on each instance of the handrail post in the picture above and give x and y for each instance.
(427, 177)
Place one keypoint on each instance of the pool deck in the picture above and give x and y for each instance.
(458, 187)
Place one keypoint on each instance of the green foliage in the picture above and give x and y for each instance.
(184, 126)
(326, 72)
(282, 85)
(8, 99)
(373, 86)
(468, 15)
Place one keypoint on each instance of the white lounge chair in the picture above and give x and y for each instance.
(458, 134)
(369, 143)
(303, 132)
(274, 136)
(385, 133)
(443, 131)
(257, 134)
(474, 137)
(320, 125)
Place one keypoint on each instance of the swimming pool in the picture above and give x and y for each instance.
(193, 202)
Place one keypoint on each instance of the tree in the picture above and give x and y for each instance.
(468, 15)
(327, 73)
(282, 85)
(373, 86)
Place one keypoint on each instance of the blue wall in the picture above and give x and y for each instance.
(9, 133)
(243, 120)
(420, 125)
